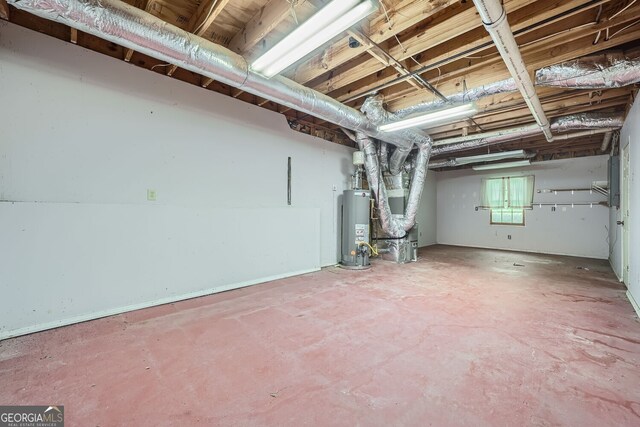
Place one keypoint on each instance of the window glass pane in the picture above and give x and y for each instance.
(518, 216)
(507, 216)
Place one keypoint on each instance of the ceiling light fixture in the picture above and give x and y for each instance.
(490, 157)
(327, 23)
(502, 165)
(439, 117)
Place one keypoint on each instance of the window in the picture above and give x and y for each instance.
(507, 216)
(507, 198)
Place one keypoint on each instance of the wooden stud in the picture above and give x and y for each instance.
(261, 24)
(4, 10)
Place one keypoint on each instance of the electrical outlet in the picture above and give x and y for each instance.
(151, 195)
(335, 188)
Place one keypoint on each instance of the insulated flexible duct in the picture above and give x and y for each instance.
(597, 122)
(375, 112)
(394, 227)
(384, 156)
(610, 70)
(120, 23)
(474, 94)
(604, 71)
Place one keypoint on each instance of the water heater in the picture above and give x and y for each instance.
(355, 229)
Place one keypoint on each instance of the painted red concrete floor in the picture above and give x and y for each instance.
(463, 337)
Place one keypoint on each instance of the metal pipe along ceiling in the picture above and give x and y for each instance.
(494, 18)
(136, 29)
(374, 110)
(609, 70)
(590, 122)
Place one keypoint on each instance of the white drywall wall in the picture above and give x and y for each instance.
(579, 231)
(427, 213)
(83, 139)
(630, 132)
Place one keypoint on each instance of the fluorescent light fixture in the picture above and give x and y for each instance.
(331, 20)
(446, 115)
(490, 157)
(502, 165)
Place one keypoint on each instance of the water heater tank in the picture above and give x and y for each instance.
(355, 228)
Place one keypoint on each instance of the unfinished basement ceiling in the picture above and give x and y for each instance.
(443, 42)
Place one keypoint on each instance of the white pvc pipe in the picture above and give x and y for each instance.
(606, 141)
(494, 18)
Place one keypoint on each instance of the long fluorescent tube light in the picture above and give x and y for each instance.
(502, 165)
(446, 115)
(490, 157)
(331, 20)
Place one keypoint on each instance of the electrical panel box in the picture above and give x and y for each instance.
(614, 181)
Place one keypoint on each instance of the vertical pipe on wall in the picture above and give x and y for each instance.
(289, 181)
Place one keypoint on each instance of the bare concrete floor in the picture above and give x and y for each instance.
(463, 337)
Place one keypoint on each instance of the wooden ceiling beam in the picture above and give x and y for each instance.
(536, 56)
(536, 144)
(522, 118)
(202, 20)
(553, 109)
(522, 13)
(4, 10)
(404, 15)
(448, 53)
(262, 23)
(266, 20)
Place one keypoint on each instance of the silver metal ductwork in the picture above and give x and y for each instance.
(610, 70)
(391, 225)
(590, 123)
(474, 94)
(450, 163)
(494, 18)
(136, 29)
(375, 112)
(587, 121)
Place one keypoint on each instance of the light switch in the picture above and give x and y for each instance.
(151, 195)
